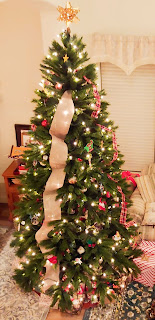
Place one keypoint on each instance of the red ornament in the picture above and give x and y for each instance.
(58, 86)
(53, 259)
(44, 123)
(79, 159)
(82, 289)
(68, 287)
(94, 284)
(82, 218)
(116, 205)
(33, 127)
(47, 83)
(102, 204)
(93, 291)
(108, 194)
(64, 278)
(92, 245)
(37, 199)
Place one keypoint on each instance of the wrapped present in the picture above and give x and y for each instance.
(146, 263)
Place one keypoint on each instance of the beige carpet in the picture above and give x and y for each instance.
(15, 304)
(5, 233)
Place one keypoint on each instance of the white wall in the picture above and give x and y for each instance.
(20, 54)
(127, 17)
(26, 30)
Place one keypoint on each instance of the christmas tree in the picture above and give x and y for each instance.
(75, 238)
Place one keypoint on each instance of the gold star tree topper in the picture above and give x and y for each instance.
(65, 57)
(68, 14)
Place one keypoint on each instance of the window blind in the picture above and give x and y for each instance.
(132, 108)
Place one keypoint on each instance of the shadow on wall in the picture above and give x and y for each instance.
(47, 4)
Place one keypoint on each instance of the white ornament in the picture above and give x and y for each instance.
(77, 261)
(35, 220)
(116, 199)
(45, 157)
(117, 236)
(72, 180)
(80, 250)
(43, 164)
(101, 260)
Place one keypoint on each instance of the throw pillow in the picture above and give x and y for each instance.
(153, 179)
(148, 169)
(136, 211)
(146, 188)
(149, 217)
(145, 170)
(151, 169)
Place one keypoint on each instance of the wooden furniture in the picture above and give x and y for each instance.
(11, 188)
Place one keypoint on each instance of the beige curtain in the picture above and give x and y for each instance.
(126, 52)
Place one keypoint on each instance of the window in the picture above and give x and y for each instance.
(132, 99)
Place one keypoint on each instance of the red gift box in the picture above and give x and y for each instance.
(146, 263)
(22, 169)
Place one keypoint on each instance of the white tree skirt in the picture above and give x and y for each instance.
(15, 304)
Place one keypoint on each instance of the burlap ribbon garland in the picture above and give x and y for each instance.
(58, 156)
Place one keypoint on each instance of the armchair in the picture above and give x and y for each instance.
(143, 207)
